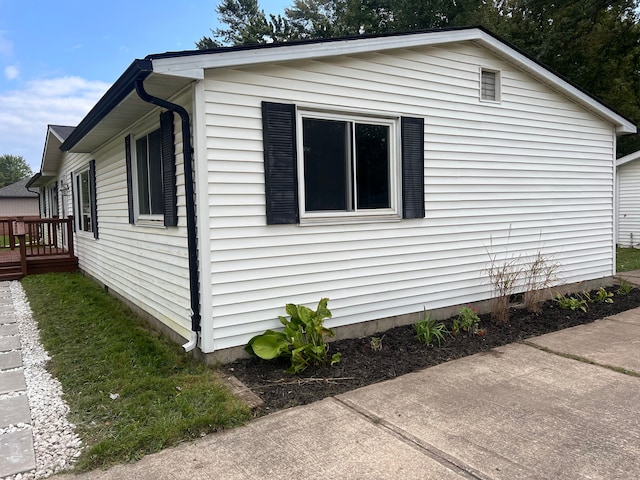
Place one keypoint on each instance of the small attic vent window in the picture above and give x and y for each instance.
(489, 85)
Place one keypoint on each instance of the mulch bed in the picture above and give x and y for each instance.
(401, 353)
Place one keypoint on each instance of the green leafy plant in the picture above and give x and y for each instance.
(602, 296)
(376, 343)
(303, 338)
(466, 321)
(624, 288)
(571, 303)
(428, 330)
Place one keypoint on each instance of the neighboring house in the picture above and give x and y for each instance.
(17, 201)
(628, 200)
(212, 187)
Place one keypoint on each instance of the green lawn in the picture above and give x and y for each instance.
(97, 348)
(627, 259)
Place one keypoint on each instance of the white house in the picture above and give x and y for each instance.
(628, 200)
(212, 187)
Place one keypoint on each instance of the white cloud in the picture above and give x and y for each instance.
(11, 72)
(25, 113)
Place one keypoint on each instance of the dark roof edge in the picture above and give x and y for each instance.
(122, 87)
(311, 41)
(33, 180)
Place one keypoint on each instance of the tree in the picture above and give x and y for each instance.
(246, 24)
(12, 169)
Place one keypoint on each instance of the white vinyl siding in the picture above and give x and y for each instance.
(534, 172)
(147, 265)
(629, 204)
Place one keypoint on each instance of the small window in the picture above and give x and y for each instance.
(348, 165)
(489, 85)
(149, 174)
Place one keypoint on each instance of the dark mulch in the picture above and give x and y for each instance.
(401, 353)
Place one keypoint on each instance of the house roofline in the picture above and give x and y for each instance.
(191, 64)
(628, 158)
(139, 69)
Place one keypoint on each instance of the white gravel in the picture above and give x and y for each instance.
(55, 441)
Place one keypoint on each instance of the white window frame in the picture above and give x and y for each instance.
(151, 219)
(498, 86)
(79, 201)
(382, 214)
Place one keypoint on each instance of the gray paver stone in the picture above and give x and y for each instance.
(9, 343)
(10, 360)
(12, 382)
(16, 453)
(8, 329)
(14, 410)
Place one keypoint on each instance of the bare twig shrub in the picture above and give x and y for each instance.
(540, 275)
(503, 277)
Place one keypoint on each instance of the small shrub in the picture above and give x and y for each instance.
(538, 278)
(624, 288)
(303, 338)
(428, 330)
(466, 321)
(504, 276)
(571, 303)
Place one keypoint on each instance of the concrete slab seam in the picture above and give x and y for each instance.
(437, 455)
(578, 358)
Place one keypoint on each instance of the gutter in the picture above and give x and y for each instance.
(190, 205)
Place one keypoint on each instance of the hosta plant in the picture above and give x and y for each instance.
(302, 340)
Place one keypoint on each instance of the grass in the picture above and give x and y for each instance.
(98, 347)
(627, 259)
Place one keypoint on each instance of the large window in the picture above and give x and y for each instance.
(320, 166)
(149, 174)
(348, 165)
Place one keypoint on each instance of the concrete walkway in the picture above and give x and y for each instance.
(545, 409)
(16, 440)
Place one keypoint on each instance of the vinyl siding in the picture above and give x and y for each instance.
(147, 265)
(533, 172)
(629, 204)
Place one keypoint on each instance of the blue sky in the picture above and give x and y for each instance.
(57, 58)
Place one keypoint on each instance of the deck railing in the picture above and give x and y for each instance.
(38, 236)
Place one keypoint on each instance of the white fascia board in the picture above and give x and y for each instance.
(196, 64)
(628, 158)
(235, 58)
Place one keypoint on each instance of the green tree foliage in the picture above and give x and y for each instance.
(12, 169)
(593, 43)
(246, 24)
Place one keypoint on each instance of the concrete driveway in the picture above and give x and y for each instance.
(562, 406)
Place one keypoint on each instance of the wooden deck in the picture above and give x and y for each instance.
(31, 246)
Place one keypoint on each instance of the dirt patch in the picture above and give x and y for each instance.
(401, 353)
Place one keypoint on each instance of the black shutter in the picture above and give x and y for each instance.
(168, 170)
(127, 159)
(412, 167)
(93, 197)
(280, 162)
(73, 201)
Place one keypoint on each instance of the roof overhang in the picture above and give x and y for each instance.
(628, 158)
(166, 74)
(120, 106)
